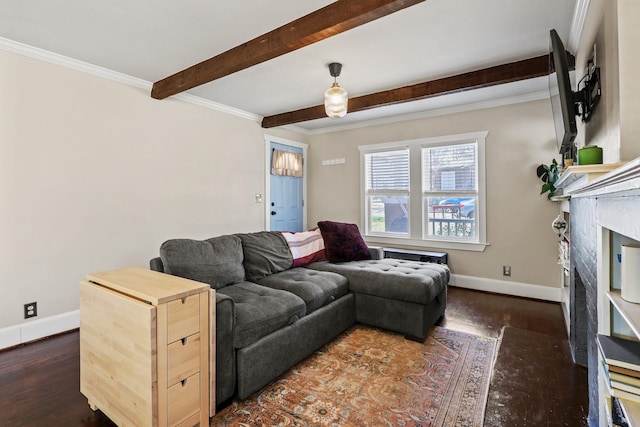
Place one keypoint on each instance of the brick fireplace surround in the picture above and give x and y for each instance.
(611, 202)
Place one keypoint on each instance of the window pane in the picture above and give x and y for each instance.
(449, 168)
(389, 214)
(450, 217)
(387, 170)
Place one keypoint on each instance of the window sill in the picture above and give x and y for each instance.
(426, 244)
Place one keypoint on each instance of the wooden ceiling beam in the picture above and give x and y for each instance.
(506, 73)
(321, 24)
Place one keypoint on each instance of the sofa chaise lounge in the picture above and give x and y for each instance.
(271, 313)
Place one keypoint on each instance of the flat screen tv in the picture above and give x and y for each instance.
(562, 96)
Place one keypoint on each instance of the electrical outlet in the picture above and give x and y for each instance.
(30, 310)
(506, 270)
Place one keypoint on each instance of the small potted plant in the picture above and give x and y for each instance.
(549, 174)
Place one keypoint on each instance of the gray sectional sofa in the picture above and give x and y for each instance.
(270, 316)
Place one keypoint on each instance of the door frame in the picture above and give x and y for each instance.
(268, 139)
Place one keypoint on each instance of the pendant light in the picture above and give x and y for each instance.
(335, 98)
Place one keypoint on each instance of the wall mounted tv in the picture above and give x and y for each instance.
(563, 103)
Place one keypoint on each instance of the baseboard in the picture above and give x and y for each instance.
(518, 289)
(39, 328)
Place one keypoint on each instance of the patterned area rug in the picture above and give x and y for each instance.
(369, 377)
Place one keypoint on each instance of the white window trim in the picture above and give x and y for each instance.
(415, 198)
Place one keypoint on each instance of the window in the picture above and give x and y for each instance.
(427, 192)
(450, 190)
(387, 191)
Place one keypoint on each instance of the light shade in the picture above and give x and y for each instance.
(335, 101)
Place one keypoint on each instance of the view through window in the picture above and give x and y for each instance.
(425, 190)
(450, 190)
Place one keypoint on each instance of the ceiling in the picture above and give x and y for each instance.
(152, 39)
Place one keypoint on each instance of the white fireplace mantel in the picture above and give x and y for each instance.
(622, 179)
(574, 177)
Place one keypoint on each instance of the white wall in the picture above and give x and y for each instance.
(629, 64)
(521, 136)
(95, 175)
(612, 26)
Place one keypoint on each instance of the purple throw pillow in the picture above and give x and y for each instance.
(343, 242)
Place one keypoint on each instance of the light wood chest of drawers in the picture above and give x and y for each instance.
(144, 347)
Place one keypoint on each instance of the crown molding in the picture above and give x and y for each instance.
(74, 64)
(197, 100)
(577, 24)
(64, 61)
(85, 67)
(499, 102)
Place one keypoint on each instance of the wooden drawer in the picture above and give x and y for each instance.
(184, 400)
(144, 348)
(184, 358)
(183, 318)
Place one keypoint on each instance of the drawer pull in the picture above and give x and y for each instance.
(184, 300)
(184, 341)
(184, 382)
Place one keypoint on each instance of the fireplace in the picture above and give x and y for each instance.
(599, 208)
(584, 292)
(579, 319)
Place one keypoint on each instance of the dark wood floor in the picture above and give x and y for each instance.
(534, 382)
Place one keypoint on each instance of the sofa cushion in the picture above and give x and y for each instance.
(343, 242)
(316, 288)
(265, 253)
(216, 261)
(411, 281)
(261, 311)
(306, 247)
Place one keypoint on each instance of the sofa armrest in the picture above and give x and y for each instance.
(155, 264)
(225, 372)
(375, 251)
(212, 350)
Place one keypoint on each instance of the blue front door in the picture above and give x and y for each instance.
(286, 197)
